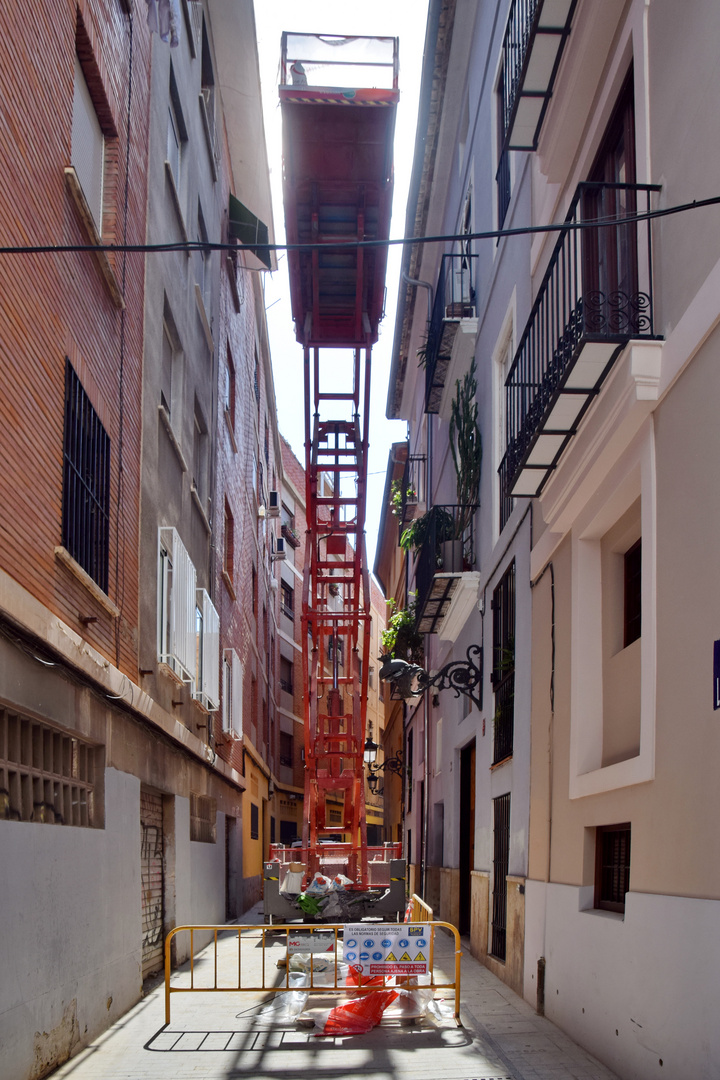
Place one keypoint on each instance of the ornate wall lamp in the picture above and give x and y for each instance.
(409, 681)
(394, 764)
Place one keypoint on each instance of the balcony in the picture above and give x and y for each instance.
(535, 37)
(290, 533)
(451, 333)
(595, 297)
(413, 489)
(445, 556)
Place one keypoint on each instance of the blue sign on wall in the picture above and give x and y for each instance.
(716, 675)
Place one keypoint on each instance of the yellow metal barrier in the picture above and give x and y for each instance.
(262, 982)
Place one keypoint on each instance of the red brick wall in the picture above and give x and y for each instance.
(58, 305)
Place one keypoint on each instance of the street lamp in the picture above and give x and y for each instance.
(394, 764)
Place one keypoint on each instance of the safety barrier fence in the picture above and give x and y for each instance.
(250, 970)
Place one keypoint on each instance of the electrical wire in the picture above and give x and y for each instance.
(489, 234)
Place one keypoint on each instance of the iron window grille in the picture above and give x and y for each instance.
(45, 775)
(503, 671)
(86, 483)
(612, 866)
(254, 822)
(501, 862)
(633, 593)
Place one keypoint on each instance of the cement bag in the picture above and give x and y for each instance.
(292, 882)
(319, 886)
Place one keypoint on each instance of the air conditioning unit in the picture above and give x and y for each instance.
(279, 552)
(273, 509)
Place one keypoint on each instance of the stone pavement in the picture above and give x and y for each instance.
(221, 1037)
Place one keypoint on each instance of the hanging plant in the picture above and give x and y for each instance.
(400, 638)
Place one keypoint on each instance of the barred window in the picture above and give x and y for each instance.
(203, 812)
(254, 822)
(45, 774)
(86, 482)
(612, 866)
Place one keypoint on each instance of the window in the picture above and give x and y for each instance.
(232, 719)
(45, 775)
(286, 749)
(176, 137)
(87, 148)
(229, 542)
(610, 254)
(254, 822)
(503, 672)
(203, 262)
(203, 814)
(287, 596)
(371, 677)
(207, 645)
(612, 866)
(632, 567)
(200, 440)
(229, 392)
(256, 378)
(207, 99)
(501, 859)
(254, 592)
(286, 675)
(86, 483)
(176, 606)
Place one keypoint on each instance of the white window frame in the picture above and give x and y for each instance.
(232, 711)
(176, 605)
(87, 146)
(632, 476)
(207, 643)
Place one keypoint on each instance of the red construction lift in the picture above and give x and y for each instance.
(338, 98)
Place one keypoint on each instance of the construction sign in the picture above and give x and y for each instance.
(387, 948)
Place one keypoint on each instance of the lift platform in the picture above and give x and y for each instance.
(338, 97)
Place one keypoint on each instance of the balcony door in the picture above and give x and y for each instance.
(610, 267)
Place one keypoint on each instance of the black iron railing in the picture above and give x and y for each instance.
(597, 288)
(525, 29)
(502, 181)
(413, 485)
(448, 546)
(454, 300)
(518, 34)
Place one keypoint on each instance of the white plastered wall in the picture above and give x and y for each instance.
(646, 989)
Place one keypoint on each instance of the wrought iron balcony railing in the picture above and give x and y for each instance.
(535, 36)
(446, 550)
(454, 301)
(414, 482)
(596, 295)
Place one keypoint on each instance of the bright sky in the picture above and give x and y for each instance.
(384, 18)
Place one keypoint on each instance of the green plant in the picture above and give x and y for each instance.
(400, 638)
(424, 351)
(396, 497)
(466, 447)
(417, 532)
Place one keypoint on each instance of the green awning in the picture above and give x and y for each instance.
(249, 231)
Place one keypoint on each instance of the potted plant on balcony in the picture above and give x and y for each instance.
(400, 639)
(419, 530)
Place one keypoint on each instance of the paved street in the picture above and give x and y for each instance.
(214, 1036)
